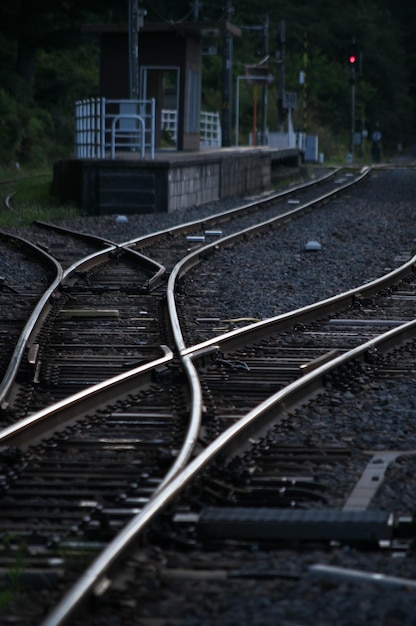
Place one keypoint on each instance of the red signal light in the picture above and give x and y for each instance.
(352, 59)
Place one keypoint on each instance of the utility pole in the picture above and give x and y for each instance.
(227, 80)
(264, 88)
(136, 20)
(282, 54)
(196, 5)
(133, 51)
(352, 131)
(305, 82)
(353, 61)
(265, 29)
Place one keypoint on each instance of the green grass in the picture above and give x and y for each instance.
(26, 196)
(13, 587)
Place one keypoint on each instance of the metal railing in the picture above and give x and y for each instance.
(104, 127)
(88, 128)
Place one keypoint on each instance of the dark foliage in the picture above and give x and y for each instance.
(47, 62)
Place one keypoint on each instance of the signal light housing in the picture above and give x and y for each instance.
(353, 57)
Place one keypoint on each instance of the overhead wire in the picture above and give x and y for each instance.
(169, 20)
(159, 14)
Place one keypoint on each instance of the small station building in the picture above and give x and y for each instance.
(124, 178)
(170, 69)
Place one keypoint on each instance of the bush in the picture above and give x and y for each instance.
(38, 136)
(11, 132)
(26, 132)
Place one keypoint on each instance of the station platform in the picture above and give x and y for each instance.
(171, 181)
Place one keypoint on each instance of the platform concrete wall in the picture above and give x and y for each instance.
(190, 185)
(168, 183)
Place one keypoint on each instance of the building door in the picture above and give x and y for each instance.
(162, 84)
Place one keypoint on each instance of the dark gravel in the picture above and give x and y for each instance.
(361, 237)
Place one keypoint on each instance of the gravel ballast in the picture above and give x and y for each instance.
(362, 236)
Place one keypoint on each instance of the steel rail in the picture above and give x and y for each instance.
(252, 332)
(97, 579)
(196, 256)
(95, 259)
(195, 420)
(78, 403)
(67, 411)
(22, 343)
(189, 369)
(187, 364)
(107, 244)
(226, 215)
(33, 326)
(159, 270)
(235, 337)
(28, 336)
(74, 404)
(227, 341)
(187, 355)
(239, 337)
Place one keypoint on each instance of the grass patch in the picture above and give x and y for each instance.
(26, 196)
(11, 593)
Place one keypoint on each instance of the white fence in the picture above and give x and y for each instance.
(170, 124)
(209, 124)
(89, 128)
(210, 130)
(104, 126)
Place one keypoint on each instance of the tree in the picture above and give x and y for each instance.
(30, 34)
(47, 61)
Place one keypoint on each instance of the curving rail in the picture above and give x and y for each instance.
(24, 339)
(98, 576)
(27, 344)
(196, 256)
(158, 271)
(232, 442)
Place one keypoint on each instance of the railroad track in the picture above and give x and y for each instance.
(19, 295)
(188, 241)
(263, 484)
(32, 274)
(97, 303)
(71, 331)
(227, 378)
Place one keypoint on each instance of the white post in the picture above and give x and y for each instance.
(237, 108)
(102, 126)
(290, 132)
(152, 128)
